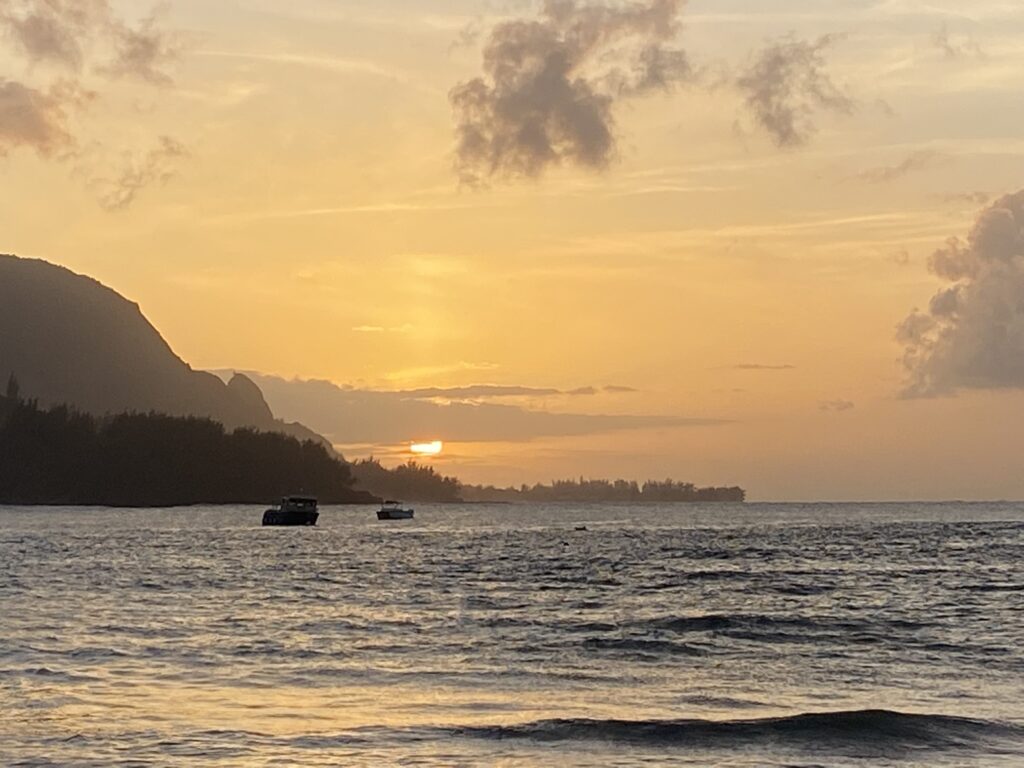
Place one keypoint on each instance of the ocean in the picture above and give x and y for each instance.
(541, 635)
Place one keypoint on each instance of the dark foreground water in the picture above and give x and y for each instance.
(794, 635)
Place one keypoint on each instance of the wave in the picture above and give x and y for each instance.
(641, 647)
(801, 629)
(873, 730)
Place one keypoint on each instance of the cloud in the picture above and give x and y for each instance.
(477, 391)
(786, 84)
(157, 166)
(37, 119)
(143, 52)
(836, 406)
(357, 416)
(956, 48)
(68, 32)
(550, 85)
(54, 31)
(467, 37)
(972, 334)
(489, 391)
(969, 198)
(761, 367)
(382, 329)
(916, 161)
(900, 258)
(82, 37)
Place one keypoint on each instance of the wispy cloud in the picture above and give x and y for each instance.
(786, 85)
(337, 64)
(497, 391)
(956, 46)
(79, 38)
(348, 210)
(407, 328)
(916, 161)
(975, 199)
(836, 406)
(420, 372)
(348, 415)
(136, 172)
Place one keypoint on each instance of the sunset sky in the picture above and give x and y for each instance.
(728, 239)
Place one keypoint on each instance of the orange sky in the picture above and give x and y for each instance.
(306, 220)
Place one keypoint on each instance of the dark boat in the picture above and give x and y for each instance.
(392, 510)
(294, 511)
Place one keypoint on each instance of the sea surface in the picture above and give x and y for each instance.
(757, 635)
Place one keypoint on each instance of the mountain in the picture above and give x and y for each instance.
(68, 339)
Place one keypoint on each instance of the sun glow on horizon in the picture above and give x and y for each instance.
(427, 449)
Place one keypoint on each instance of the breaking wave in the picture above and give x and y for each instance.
(879, 729)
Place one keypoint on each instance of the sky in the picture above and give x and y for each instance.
(758, 242)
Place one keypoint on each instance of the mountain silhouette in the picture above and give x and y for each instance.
(70, 340)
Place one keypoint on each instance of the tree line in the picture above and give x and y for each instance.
(61, 456)
(583, 490)
(410, 482)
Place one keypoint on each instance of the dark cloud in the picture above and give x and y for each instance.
(836, 406)
(154, 167)
(550, 85)
(786, 84)
(619, 390)
(762, 367)
(972, 335)
(37, 119)
(916, 161)
(351, 416)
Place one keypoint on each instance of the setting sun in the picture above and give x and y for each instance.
(427, 449)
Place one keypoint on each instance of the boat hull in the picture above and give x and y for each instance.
(395, 514)
(275, 517)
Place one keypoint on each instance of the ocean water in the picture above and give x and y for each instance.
(758, 635)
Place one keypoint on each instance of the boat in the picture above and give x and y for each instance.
(293, 511)
(393, 510)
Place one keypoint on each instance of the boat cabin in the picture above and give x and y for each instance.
(298, 504)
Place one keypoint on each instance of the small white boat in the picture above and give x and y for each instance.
(393, 510)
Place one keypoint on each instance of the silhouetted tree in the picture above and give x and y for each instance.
(60, 456)
(605, 491)
(409, 482)
(13, 388)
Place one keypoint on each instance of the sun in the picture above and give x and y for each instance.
(427, 449)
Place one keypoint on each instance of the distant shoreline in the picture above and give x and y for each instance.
(365, 504)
